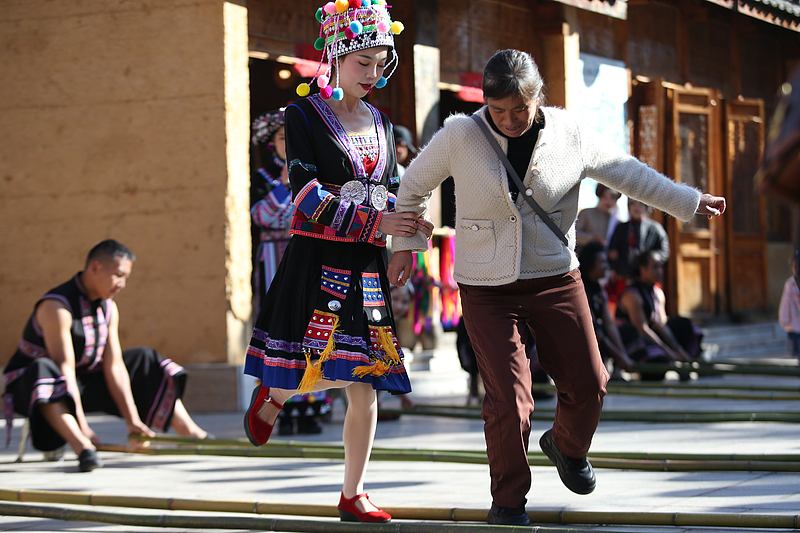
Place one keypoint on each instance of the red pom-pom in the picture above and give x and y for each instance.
(355, 4)
(348, 33)
(326, 92)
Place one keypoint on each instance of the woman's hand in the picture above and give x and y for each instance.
(713, 206)
(425, 226)
(399, 269)
(399, 224)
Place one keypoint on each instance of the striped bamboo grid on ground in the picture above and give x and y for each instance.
(665, 416)
(702, 368)
(662, 462)
(719, 392)
(444, 515)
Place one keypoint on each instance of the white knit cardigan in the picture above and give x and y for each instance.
(499, 241)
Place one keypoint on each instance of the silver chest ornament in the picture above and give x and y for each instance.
(380, 197)
(354, 192)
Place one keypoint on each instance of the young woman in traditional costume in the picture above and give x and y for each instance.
(270, 201)
(326, 321)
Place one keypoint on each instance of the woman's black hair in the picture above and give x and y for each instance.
(588, 257)
(643, 260)
(513, 73)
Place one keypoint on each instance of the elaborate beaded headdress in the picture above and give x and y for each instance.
(265, 126)
(347, 26)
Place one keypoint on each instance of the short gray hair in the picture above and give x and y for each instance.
(512, 73)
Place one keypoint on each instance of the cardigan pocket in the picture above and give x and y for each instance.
(546, 242)
(478, 240)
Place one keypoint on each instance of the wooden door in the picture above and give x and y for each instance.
(693, 157)
(746, 217)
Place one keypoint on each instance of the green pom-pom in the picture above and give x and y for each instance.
(319, 44)
(319, 14)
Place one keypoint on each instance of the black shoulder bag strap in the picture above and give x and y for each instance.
(513, 173)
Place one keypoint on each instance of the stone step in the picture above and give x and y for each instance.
(744, 340)
(733, 333)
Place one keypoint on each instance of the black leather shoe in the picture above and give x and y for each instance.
(576, 474)
(88, 460)
(508, 516)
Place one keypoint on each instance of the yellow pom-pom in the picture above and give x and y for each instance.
(303, 89)
(397, 27)
(342, 5)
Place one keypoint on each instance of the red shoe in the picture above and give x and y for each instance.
(348, 512)
(258, 431)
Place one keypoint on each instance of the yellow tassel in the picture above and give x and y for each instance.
(387, 343)
(313, 373)
(378, 368)
(311, 376)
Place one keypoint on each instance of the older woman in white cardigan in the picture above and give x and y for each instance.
(513, 270)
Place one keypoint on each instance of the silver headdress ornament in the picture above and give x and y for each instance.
(347, 26)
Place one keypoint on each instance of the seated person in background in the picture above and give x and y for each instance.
(789, 309)
(642, 319)
(594, 269)
(598, 223)
(631, 239)
(69, 362)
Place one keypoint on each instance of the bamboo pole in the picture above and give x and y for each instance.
(668, 463)
(547, 415)
(690, 385)
(681, 392)
(562, 517)
(702, 368)
(291, 444)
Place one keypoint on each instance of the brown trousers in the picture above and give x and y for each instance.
(556, 310)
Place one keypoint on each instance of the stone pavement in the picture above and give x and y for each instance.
(441, 484)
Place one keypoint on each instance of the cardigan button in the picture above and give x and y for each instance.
(528, 192)
(474, 227)
(512, 218)
(535, 171)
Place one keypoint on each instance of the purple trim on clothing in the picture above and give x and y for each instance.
(297, 347)
(32, 350)
(339, 132)
(338, 218)
(167, 395)
(48, 389)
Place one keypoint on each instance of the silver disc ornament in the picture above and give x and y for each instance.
(353, 191)
(380, 197)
